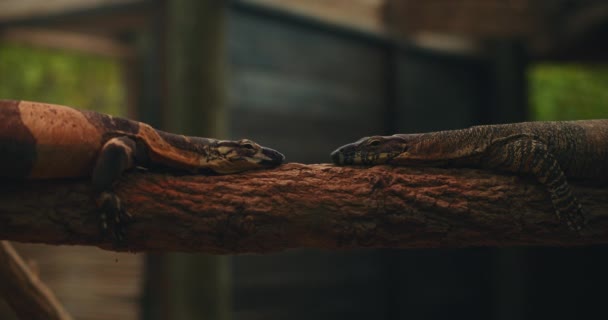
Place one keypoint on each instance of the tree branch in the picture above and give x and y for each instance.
(29, 297)
(297, 205)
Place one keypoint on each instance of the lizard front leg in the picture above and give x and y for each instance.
(116, 156)
(529, 156)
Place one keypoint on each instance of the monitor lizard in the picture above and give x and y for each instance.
(549, 151)
(46, 141)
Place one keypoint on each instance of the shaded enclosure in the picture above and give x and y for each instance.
(305, 82)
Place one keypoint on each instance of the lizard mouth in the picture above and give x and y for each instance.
(341, 158)
(337, 157)
(360, 158)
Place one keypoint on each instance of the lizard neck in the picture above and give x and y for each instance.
(177, 151)
(454, 147)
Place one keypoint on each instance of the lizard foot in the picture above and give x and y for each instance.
(574, 216)
(113, 216)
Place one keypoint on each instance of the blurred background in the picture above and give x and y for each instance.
(305, 76)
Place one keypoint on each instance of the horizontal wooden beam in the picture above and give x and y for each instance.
(64, 40)
(361, 15)
(27, 9)
(296, 206)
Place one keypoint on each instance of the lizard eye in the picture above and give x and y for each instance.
(374, 143)
(248, 145)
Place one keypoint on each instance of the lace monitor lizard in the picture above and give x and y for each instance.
(548, 151)
(45, 141)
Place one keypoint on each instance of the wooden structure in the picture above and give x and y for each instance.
(550, 29)
(304, 81)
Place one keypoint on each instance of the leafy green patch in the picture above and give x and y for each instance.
(568, 92)
(61, 77)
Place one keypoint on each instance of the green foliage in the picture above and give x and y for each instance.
(568, 92)
(61, 77)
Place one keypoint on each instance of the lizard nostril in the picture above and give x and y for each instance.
(337, 157)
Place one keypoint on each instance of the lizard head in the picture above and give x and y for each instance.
(370, 151)
(241, 155)
(415, 149)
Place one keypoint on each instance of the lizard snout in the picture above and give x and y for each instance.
(273, 157)
(337, 156)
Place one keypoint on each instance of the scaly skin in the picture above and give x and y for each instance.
(46, 141)
(549, 151)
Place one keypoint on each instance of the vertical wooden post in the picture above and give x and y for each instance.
(509, 103)
(196, 67)
(508, 65)
(151, 99)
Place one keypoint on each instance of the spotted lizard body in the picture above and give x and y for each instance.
(45, 141)
(549, 151)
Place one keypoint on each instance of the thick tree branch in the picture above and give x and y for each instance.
(298, 205)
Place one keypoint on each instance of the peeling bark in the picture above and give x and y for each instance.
(295, 205)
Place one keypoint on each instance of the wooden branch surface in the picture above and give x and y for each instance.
(29, 297)
(297, 205)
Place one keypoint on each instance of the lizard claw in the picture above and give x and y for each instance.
(569, 211)
(574, 218)
(113, 215)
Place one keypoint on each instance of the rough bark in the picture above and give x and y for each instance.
(27, 295)
(297, 205)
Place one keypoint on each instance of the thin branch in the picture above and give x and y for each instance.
(297, 205)
(29, 297)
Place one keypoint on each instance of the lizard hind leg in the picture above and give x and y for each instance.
(529, 156)
(116, 156)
